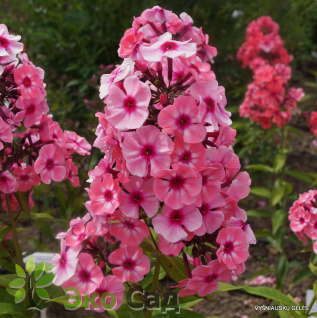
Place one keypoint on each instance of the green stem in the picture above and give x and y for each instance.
(17, 249)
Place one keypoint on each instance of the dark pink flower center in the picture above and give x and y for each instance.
(62, 260)
(30, 109)
(176, 217)
(204, 179)
(228, 247)
(108, 195)
(84, 276)
(3, 42)
(129, 225)
(301, 220)
(128, 264)
(210, 103)
(186, 156)
(204, 208)
(3, 179)
(148, 151)
(129, 104)
(27, 82)
(169, 46)
(49, 164)
(266, 29)
(183, 121)
(137, 197)
(24, 177)
(211, 278)
(177, 182)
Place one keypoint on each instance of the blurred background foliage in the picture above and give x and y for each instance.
(70, 39)
(76, 40)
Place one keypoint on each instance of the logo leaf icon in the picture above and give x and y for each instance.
(20, 271)
(17, 283)
(45, 280)
(19, 295)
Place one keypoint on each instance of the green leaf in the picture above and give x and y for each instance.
(302, 176)
(262, 192)
(20, 271)
(281, 269)
(280, 162)
(45, 281)
(17, 283)
(42, 216)
(19, 295)
(313, 268)
(259, 213)
(260, 167)
(30, 265)
(277, 193)
(278, 220)
(42, 293)
(39, 270)
(190, 304)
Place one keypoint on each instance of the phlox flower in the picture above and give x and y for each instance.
(193, 155)
(127, 107)
(240, 220)
(212, 215)
(117, 75)
(109, 294)
(50, 164)
(131, 263)
(205, 278)
(29, 80)
(299, 219)
(164, 46)
(211, 177)
(8, 183)
(147, 151)
(213, 100)
(233, 248)
(76, 143)
(9, 44)
(65, 265)
(174, 224)
(138, 193)
(87, 277)
(32, 110)
(183, 117)
(26, 178)
(104, 195)
(178, 187)
(168, 248)
(129, 231)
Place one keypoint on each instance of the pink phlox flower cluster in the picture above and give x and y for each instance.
(269, 99)
(303, 217)
(169, 173)
(33, 146)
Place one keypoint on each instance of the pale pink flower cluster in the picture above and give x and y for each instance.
(169, 175)
(303, 217)
(269, 99)
(33, 147)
